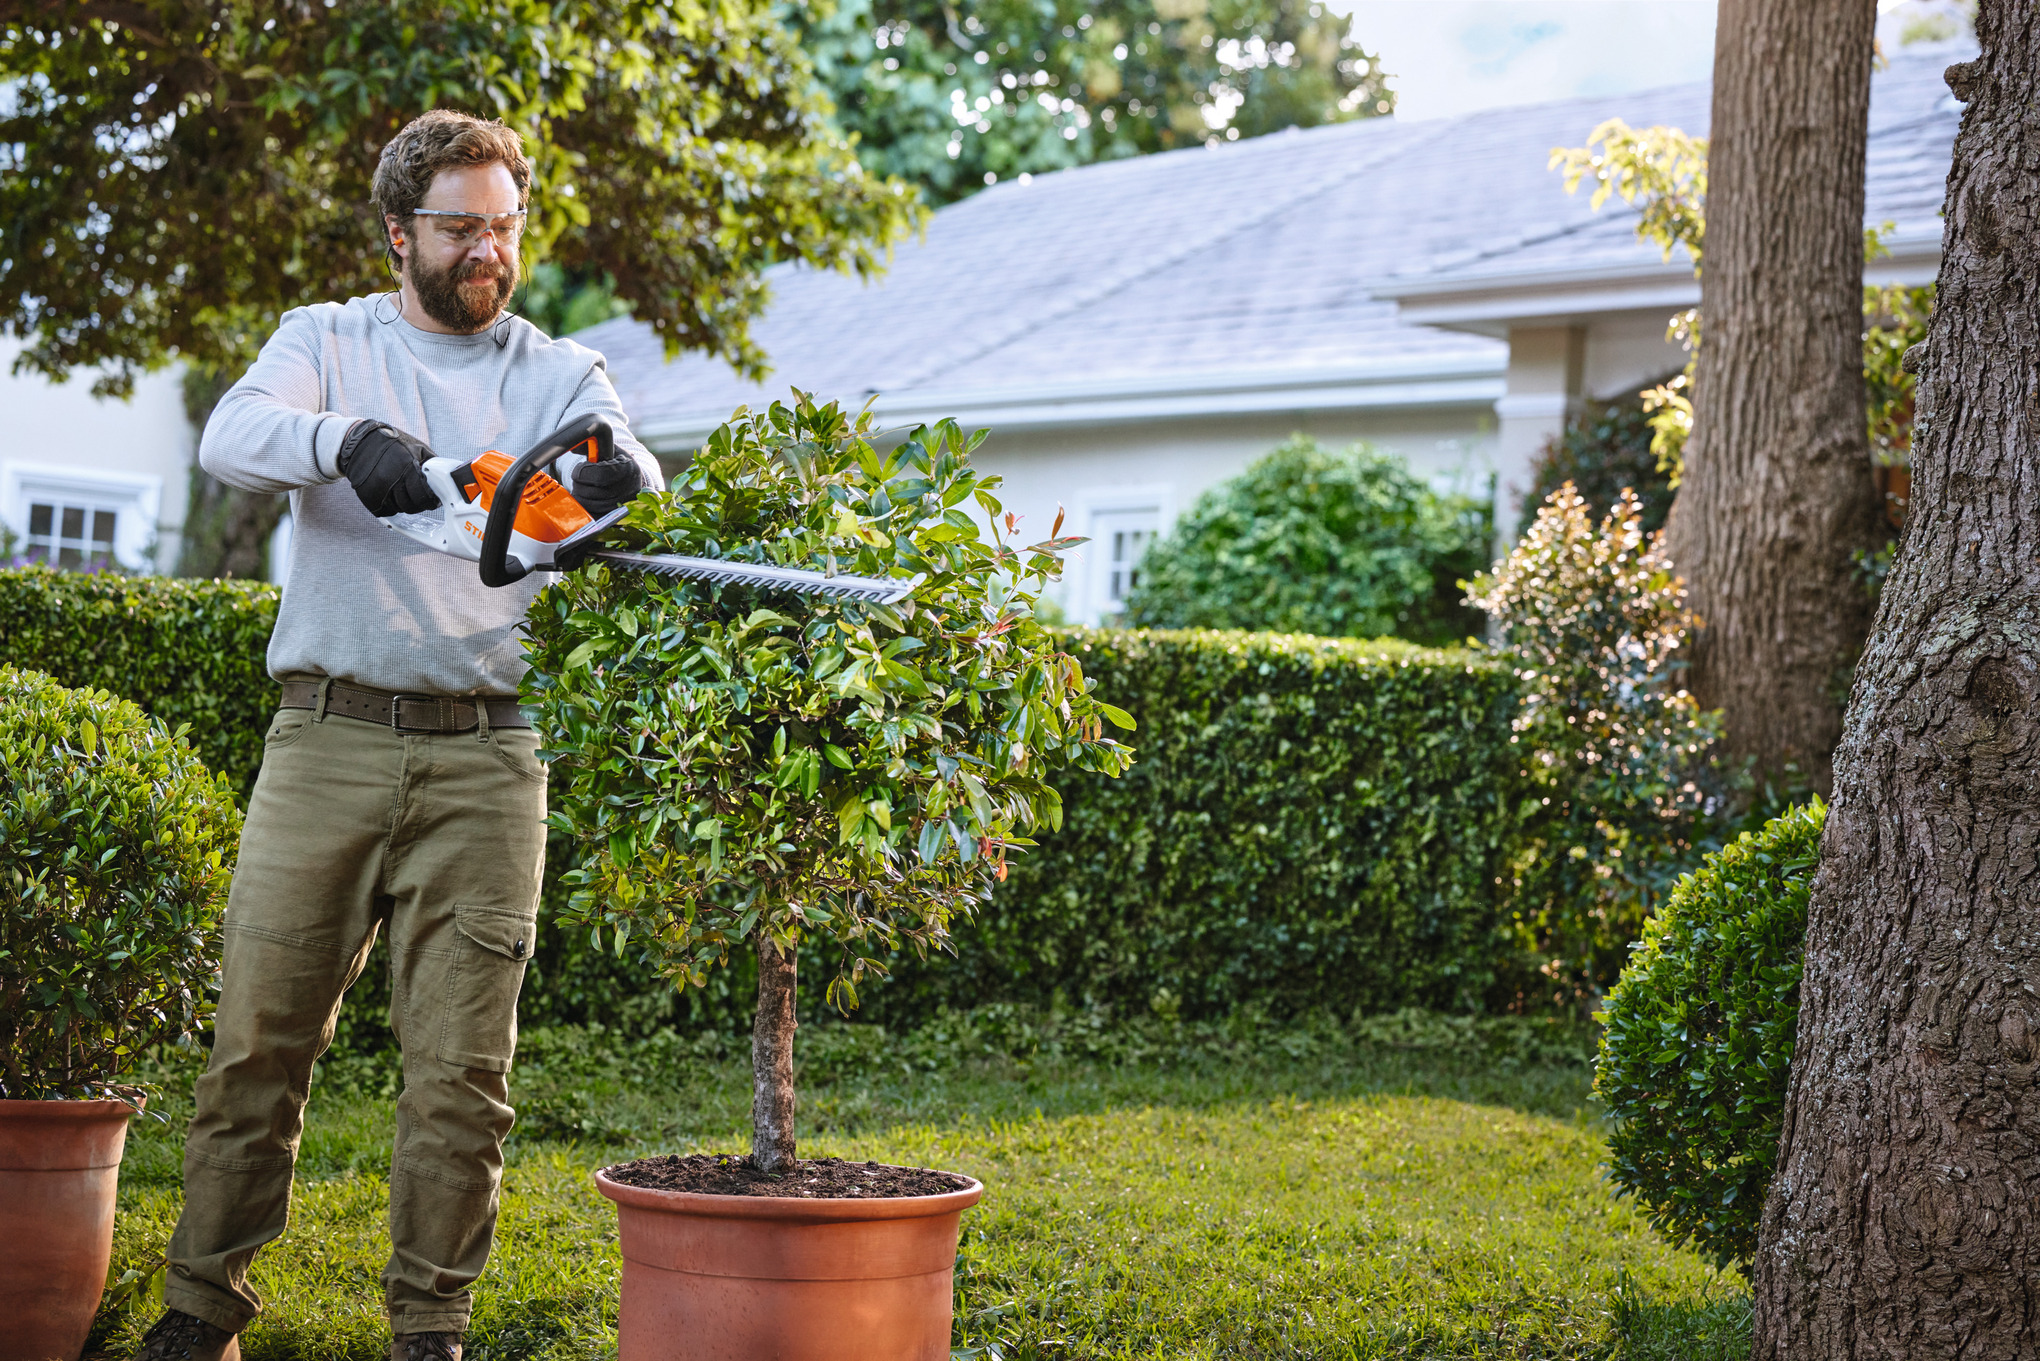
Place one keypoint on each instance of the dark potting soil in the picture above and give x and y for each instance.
(726, 1174)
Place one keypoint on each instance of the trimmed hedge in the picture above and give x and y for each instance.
(1310, 823)
(186, 651)
(1700, 1030)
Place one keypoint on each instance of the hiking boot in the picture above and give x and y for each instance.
(425, 1347)
(178, 1336)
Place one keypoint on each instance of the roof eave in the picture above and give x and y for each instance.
(1443, 381)
(1493, 303)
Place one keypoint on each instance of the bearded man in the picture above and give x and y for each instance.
(400, 787)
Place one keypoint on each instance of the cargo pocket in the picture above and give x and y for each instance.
(491, 947)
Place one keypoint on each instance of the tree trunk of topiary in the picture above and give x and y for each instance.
(772, 1100)
(1778, 490)
(1902, 1221)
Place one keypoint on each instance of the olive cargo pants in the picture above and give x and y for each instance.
(439, 839)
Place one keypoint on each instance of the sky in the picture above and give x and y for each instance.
(1454, 56)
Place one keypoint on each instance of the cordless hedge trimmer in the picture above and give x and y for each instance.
(515, 518)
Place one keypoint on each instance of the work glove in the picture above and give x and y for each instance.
(602, 487)
(385, 466)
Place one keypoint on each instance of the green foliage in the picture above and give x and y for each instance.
(1894, 320)
(1313, 823)
(1594, 621)
(1307, 540)
(561, 301)
(954, 96)
(1700, 1030)
(190, 653)
(1664, 172)
(176, 173)
(1604, 448)
(116, 847)
(741, 767)
(1661, 169)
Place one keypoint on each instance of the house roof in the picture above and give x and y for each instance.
(1258, 275)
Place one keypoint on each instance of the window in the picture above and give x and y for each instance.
(70, 534)
(1121, 537)
(1127, 546)
(80, 518)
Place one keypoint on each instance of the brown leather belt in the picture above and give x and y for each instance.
(406, 713)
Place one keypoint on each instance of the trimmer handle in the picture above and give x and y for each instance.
(498, 568)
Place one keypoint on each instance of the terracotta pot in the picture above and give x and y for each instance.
(760, 1278)
(1895, 484)
(59, 1170)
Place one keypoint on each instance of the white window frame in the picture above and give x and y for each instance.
(1093, 577)
(135, 498)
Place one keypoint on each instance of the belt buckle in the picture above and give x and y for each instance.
(397, 709)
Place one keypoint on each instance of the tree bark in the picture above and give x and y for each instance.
(227, 530)
(1903, 1221)
(772, 1099)
(1778, 489)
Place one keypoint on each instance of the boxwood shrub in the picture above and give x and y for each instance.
(116, 846)
(187, 651)
(1343, 543)
(1699, 1035)
(1311, 822)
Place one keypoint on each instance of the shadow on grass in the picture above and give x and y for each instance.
(1008, 1063)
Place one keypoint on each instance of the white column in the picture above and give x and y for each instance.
(1545, 364)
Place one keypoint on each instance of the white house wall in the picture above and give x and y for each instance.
(134, 455)
(1626, 351)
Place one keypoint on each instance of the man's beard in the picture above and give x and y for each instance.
(463, 309)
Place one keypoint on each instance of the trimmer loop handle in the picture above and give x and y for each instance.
(498, 568)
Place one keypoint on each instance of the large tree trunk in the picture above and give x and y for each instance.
(1904, 1221)
(1777, 491)
(227, 530)
(772, 1102)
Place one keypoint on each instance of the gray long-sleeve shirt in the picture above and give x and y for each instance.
(363, 603)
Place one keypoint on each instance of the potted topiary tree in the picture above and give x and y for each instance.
(116, 847)
(745, 772)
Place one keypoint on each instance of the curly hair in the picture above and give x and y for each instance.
(436, 141)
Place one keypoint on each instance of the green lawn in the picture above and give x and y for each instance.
(1427, 1190)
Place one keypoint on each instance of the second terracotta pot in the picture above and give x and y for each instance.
(59, 1174)
(761, 1278)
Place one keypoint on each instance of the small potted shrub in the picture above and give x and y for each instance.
(116, 847)
(747, 772)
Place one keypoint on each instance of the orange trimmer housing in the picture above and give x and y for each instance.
(546, 511)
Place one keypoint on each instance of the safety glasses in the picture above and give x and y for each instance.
(462, 229)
